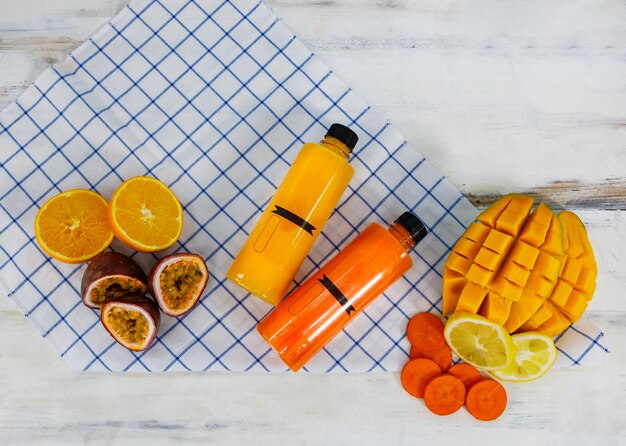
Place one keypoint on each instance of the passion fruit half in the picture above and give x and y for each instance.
(132, 320)
(109, 276)
(177, 282)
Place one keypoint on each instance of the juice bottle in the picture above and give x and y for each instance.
(284, 234)
(306, 320)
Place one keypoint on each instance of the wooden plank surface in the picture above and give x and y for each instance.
(501, 96)
(43, 402)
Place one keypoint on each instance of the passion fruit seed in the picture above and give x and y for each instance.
(112, 288)
(129, 325)
(179, 282)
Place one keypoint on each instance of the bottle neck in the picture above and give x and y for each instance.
(402, 235)
(336, 146)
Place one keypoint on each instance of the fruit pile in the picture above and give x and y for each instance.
(514, 280)
(144, 214)
(482, 345)
(526, 271)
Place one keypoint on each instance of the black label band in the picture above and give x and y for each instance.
(337, 294)
(293, 218)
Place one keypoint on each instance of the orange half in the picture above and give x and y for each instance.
(145, 214)
(72, 226)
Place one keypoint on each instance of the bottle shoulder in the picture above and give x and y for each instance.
(377, 232)
(374, 249)
(318, 151)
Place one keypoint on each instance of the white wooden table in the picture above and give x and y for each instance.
(501, 96)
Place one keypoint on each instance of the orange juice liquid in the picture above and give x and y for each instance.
(318, 310)
(287, 229)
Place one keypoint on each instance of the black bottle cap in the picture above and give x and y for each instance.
(413, 225)
(343, 134)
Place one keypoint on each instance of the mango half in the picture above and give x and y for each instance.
(521, 269)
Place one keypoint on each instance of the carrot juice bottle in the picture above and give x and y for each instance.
(284, 234)
(317, 311)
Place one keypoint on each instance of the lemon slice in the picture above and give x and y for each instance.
(479, 341)
(534, 356)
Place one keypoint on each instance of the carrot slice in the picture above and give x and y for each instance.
(442, 356)
(467, 373)
(444, 394)
(425, 331)
(415, 375)
(486, 400)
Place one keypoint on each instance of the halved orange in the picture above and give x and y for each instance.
(145, 214)
(72, 226)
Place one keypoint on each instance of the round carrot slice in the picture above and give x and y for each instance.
(415, 375)
(486, 400)
(425, 331)
(444, 394)
(466, 373)
(442, 356)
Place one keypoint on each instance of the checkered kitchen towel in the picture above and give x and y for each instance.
(215, 98)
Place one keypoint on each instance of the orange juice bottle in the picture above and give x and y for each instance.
(284, 234)
(303, 323)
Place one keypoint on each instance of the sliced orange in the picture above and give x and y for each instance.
(145, 214)
(72, 226)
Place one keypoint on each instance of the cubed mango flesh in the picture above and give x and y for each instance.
(471, 298)
(576, 283)
(522, 269)
(453, 284)
(543, 314)
(495, 308)
(555, 325)
(522, 310)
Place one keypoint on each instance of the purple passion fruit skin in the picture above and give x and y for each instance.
(133, 321)
(110, 276)
(177, 282)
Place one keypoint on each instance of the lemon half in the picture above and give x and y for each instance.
(535, 354)
(479, 341)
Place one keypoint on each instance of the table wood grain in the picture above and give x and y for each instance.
(501, 96)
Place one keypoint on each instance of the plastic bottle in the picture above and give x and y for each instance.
(317, 311)
(284, 234)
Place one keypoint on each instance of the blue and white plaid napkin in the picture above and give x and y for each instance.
(215, 98)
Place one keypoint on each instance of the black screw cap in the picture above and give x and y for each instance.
(413, 225)
(343, 134)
